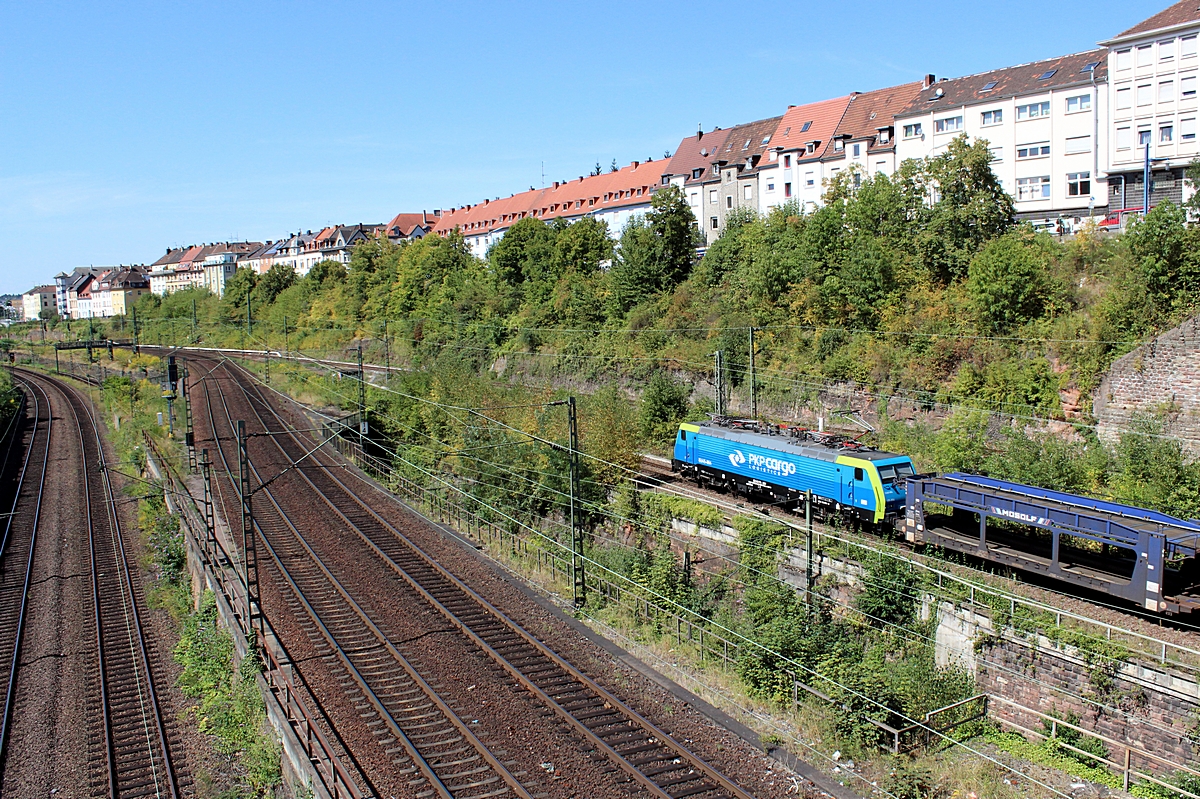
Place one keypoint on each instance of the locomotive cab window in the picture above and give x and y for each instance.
(858, 473)
(683, 435)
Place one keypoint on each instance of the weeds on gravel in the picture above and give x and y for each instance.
(229, 705)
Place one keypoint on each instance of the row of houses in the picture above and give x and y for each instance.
(1096, 134)
(87, 292)
(1071, 137)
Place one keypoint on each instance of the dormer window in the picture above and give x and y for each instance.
(839, 145)
(697, 174)
(811, 147)
(885, 135)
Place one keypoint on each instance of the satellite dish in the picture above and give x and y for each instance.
(939, 92)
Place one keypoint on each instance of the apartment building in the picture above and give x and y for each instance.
(732, 181)
(803, 138)
(1152, 70)
(410, 227)
(38, 303)
(690, 167)
(864, 141)
(612, 197)
(197, 266)
(1042, 123)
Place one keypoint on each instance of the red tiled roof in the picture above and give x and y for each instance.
(746, 141)
(629, 186)
(406, 223)
(870, 111)
(696, 152)
(823, 118)
(1178, 14)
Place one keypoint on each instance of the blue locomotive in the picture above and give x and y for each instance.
(781, 463)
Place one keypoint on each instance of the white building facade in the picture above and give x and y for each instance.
(1152, 89)
(1043, 123)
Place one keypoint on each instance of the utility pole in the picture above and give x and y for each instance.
(133, 315)
(808, 548)
(248, 328)
(753, 385)
(719, 383)
(362, 403)
(249, 547)
(209, 520)
(286, 349)
(193, 317)
(267, 365)
(577, 562)
(387, 353)
(189, 436)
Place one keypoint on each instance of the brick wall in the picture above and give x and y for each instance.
(1163, 374)
(1150, 710)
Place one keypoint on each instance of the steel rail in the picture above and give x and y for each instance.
(595, 711)
(11, 686)
(147, 704)
(428, 765)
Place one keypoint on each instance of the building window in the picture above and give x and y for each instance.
(809, 179)
(1145, 55)
(912, 131)
(1166, 91)
(1079, 144)
(1124, 59)
(695, 199)
(881, 167)
(839, 144)
(1166, 134)
(697, 173)
(1187, 88)
(1079, 184)
(993, 117)
(729, 201)
(1143, 137)
(770, 188)
(1145, 94)
(1187, 47)
(716, 170)
(787, 162)
(748, 192)
(1124, 98)
(1081, 103)
(857, 150)
(885, 136)
(729, 176)
(713, 222)
(1033, 188)
(997, 154)
(947, 125)
(712, 196)
(1166, 50)
(1033, 110)
(1187, 130)
(1038, 150)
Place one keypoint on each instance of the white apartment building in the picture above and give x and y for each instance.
(1042, 122)
(803, 137)
(1152, 70)
(38, 303)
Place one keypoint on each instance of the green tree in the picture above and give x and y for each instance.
(1008, 282)
(238, 287)
(523, 252)
(656, 252)
(664, 406)
(270, 285)
(1164, 251)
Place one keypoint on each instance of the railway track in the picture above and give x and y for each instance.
(133, 756)
(649, 757)
(424, 740)
(20, 536)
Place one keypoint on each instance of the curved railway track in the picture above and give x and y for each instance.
(425, 741)
(647, 755)
(135, 752)
(20, 539)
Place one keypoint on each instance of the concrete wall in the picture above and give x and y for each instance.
(1162, 375)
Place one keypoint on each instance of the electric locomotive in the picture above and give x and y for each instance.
(782, 463)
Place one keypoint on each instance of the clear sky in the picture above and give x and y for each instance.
(129, 127)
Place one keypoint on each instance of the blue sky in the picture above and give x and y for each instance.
(127, 128)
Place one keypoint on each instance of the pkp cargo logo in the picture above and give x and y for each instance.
(761, 463)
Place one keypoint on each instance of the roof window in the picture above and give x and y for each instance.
(1047, 75)
(987, 87)
(746, 146)
(806, 126)
(1090, 66)
(765, 139)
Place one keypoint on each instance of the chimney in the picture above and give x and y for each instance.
(556, 184)
(424, 218)
(634, 164)
(699, 132)
(929, 80)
